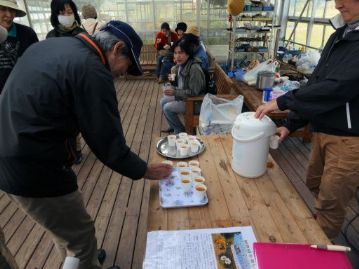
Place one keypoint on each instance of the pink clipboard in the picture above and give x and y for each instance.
(296, 256)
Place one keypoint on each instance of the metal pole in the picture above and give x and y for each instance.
(296, 23)
(28, 14)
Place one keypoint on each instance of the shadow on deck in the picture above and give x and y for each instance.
(117, 204)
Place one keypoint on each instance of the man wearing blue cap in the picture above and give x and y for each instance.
(59, 87)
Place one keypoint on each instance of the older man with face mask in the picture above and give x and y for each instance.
(330, 103)
(18, 39)
(59, 87)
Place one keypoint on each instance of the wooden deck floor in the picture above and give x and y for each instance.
(118, 204)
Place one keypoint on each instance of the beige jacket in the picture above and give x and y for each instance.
(92, 25)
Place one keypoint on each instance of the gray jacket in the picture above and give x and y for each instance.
(194, 81)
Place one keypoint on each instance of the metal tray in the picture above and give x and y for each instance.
(173, 196)
(165, 150)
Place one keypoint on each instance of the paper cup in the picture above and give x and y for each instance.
(194, 147)
(168, 162)
(179, 142)
(71, 263)
(184, 148)
(183, 136)
(198, 179)
(173, 77)
(171, 140)
(186, 184)
(182, 164)
(193, 163)
(191, 138)
(200, 191)
(196, 170)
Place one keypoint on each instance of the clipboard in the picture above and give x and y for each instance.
(298, 256)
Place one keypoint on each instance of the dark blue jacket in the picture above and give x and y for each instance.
(58, 88)
(330, 100)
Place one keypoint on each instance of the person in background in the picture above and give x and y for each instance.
(181, 29)
(193, 36)
(164, 38)
(330, 103)
(90, 22)
(48, 99)
(18, 39)
(190, 81)
(64, 18)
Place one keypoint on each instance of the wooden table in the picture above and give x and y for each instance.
(253, 99)
(269, 203)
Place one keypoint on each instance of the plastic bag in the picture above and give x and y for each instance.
(215, 110)
(251, 76)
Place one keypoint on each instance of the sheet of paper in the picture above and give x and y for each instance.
(219, 248)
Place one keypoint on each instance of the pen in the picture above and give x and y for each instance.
(332, 247)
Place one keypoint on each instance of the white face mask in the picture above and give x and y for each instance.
(66, 21)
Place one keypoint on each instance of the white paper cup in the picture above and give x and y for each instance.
(193, 163)
(198, 179)
(173, 77)
(179, 142)
(200, 191)
(71, 263)
(196, 170)
(183, 136)
(168, 162)
(186, 184)
(171, 140)
(191, 138)
(182, 164)
(184, 148)
(194, 147)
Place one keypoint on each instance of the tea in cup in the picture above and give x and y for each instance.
(199, 179)
(171, 140)
(200, 191)
(185, 173)
(186, 184)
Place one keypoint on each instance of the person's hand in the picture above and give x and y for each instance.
(158, 171)
(166, 47)
(283, 133)
(169, 91)
(266, 108)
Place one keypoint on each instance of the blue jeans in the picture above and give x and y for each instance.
(171, 108)
(163, 67)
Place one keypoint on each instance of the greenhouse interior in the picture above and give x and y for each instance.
(179, 134)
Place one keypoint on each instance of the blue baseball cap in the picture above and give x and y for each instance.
(133, 42)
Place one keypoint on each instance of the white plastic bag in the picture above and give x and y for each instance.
(251, 76)
(215, 110)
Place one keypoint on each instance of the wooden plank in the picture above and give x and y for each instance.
(218, 172)
(301, 213)
(264, 226)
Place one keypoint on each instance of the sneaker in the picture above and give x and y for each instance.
(101, 255)
(79, 157)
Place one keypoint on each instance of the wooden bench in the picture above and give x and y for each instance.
(225, 90)
(148, 58)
